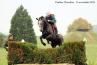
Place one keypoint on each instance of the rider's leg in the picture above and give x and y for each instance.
(55, 28)
(51, 28)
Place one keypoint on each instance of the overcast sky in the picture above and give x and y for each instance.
(65, 12)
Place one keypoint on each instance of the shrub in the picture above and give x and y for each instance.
(71, 52)
(77, 51)
(18, 52)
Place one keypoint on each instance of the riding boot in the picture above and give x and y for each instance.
(55, 28)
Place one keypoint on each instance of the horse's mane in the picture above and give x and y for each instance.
(44, 19)
(46, 25)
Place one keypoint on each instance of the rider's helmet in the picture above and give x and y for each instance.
(48, 13)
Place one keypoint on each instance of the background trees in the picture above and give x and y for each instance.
(79, 24)
(21, 26)
(2, 39)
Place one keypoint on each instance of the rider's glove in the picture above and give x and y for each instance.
(49, 20)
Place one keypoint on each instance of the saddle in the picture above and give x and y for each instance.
(53, 29)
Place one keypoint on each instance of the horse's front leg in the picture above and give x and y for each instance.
(48, 41)
(41, 39)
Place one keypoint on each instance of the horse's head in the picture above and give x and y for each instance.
(40, 18)
(41, 22)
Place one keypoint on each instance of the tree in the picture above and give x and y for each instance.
(2, 39)
(21, 26)
(79, 24)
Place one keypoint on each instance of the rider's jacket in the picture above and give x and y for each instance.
(51, 18)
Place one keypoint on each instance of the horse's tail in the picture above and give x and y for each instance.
(60, 37)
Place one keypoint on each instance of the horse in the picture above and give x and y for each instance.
(48, 33)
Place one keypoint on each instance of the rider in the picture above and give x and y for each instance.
(52, 21)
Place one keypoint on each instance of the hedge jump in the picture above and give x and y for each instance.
(26, 54)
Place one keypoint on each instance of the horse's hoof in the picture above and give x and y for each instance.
(44, 44)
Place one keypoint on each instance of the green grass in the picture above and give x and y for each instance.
(91, 52)
(3, 57)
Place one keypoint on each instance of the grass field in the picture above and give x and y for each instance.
(3, 57)
(91, 52)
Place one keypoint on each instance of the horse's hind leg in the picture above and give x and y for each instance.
(53, 45)
(42, 41)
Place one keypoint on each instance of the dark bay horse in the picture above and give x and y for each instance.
(47, 33)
